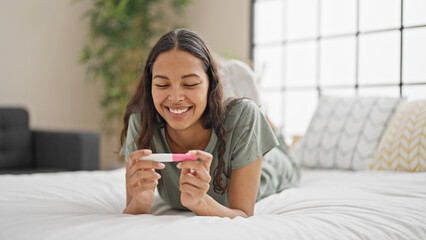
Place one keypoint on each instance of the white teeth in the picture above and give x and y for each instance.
(180, 111)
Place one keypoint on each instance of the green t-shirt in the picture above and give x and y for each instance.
(248, 136)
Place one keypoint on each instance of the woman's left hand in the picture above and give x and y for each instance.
(195, 179)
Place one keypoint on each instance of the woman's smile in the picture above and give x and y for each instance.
(178, 112)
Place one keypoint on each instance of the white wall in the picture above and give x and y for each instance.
(223, 24)
(40, 45)
(40, 42)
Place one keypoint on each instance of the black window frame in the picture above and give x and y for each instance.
(319, 88)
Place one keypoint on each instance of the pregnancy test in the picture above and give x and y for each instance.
(169, 157)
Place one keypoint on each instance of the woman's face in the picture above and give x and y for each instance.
(179, 88)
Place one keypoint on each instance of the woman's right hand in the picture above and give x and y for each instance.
(141, 178)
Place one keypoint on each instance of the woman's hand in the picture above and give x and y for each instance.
(141, 178)
(195, 179)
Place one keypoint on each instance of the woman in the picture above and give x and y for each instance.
(178, 108)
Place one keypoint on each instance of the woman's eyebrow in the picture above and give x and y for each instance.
(183, 77)
(190, 75)
(160, 76)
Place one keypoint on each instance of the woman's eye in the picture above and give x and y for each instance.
(191, 85)
(161, 85)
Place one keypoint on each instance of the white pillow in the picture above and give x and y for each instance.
(240, 81)
(345, 132)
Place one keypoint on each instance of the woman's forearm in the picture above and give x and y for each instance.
(136, 208)
(210, 207)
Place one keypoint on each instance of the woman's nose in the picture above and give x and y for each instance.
(176, 95)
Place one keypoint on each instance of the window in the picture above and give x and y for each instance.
(302, 49)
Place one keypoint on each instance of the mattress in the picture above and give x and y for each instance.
(326, 205)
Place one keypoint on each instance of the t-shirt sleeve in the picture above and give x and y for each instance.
(252, 137)
(129, 144)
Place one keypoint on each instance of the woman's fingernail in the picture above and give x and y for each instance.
(179, 165)
(146, 151)
(161, 165)
(192, 152)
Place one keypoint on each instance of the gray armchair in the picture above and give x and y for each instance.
(26, 151)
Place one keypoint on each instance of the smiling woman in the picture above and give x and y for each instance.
(179, 90)
(178, 107)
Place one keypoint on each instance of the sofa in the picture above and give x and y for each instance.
(24, 151)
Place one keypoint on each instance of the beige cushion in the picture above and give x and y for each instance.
(403, 145)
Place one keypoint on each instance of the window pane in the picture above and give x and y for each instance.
(268, 65)
(268, 21)
(414, 12)
(345, 92)
(337, 61)
(273, 105)
(338, 17)
(414, 92)
(379, 58)
(301, 64)
(379, 91)
(414, 55)
(299, 108)
(379, 14)
(301, 18)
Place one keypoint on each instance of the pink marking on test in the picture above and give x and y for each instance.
(179, 157)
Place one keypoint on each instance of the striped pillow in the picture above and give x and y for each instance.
(345, 132)
(403, 146)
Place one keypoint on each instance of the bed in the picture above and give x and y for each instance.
(338, 196)
(327, 204)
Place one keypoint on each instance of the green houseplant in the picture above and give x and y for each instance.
(122, 32)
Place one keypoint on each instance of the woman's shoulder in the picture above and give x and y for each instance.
(135, 118)
(236, 107)
(134, 122)
(241, 111)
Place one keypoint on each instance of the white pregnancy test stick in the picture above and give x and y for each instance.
(169, 157)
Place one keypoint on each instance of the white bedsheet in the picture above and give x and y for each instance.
(326, 205)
